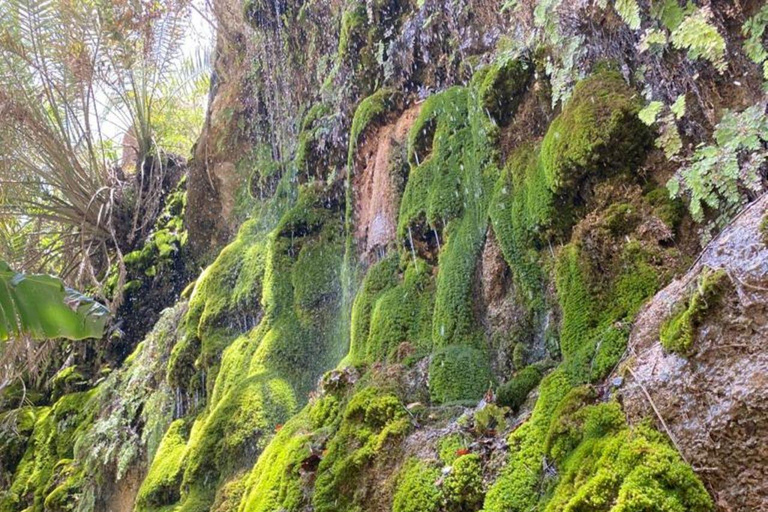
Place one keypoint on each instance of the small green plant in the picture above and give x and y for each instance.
(629, 12)
(754, 32)
(669, 139)
(679, 332)
(719, 174)
(490, 419)
(701, 39)
(764, 229)
(653, 41)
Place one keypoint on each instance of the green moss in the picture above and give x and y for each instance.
(463, 487)
(670, 210)
(402, 314)
(617, 469)
(275, 482)
(63, 494)
(764, 229)
(522, 213)
(621, 218)
(381, 276)
(370, 110)
(576, 302)
(564, 432)
(595, 321)
(262, 316)
(437, 142)
(372, 420)
(500, 88)
(420, 486)
(459, 373)
(513, 393)
(68, 380)
(229, 495)
(56, 431)
(161, 485)
(230, 287)
(449, 447)
(679, 332)
(352, 34)
(417, 490)
(307, 158)
(444, 211)
(518, 487)
(234, 432)
(315, 276)
(16, 428)
(597, 132)
(490, 419)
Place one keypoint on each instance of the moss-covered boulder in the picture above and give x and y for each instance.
(598, 132)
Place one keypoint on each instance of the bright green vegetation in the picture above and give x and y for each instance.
(387, 312)
(602, 463)
(369, 111)
(458, 373)
(162, 247)
(753, 30)
(47, 475)
(597, 133)
(287, 282)
(490, 419)
(679, 332)
(522, 215)
(306, 159)
(275, 481)
(419, 489)
(340, 435)
(513, 393)
(445, 205)
(372, 420)
(448, 447)
(616, 468)
(161, 485)
(60, 455)
(594, 328)
(500, 88)
(701, 39)
(716, 177)
(238, 426)
(516, 488)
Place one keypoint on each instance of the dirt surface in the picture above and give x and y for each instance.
(714, 402)
(376, 191)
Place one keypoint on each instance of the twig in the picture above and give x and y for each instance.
(658, 415)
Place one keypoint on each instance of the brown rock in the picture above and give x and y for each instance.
(714, 402)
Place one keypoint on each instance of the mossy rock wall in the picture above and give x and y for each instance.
(297, 376)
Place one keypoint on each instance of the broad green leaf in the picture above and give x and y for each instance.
(42, 307)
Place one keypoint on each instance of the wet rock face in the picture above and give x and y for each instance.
(714, 399)
(376, 184)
